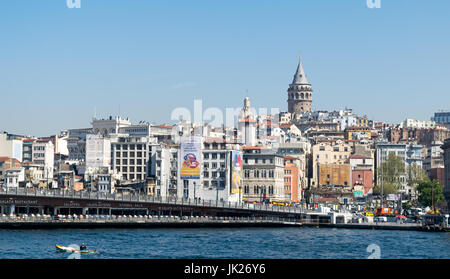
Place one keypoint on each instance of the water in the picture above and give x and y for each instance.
(252, 243)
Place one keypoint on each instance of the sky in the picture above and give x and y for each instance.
(60, 66)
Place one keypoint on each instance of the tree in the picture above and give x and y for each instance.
(415, 174)
(429, 192)
(389, 174)
(388, 188)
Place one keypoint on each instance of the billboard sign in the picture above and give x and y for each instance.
(236, 170)
(358, 194)
(191, 148)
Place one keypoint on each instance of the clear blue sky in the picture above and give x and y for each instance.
(149, 57)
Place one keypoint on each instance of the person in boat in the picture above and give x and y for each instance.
(82, 247)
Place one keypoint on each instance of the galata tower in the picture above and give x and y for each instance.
(299, 92)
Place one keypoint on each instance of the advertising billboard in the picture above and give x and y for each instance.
(191, 148)
(236, 170)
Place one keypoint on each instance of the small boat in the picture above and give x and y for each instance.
(74, 250)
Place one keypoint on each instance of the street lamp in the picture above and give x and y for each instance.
(195, 196)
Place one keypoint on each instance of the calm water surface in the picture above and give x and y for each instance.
(272, 243)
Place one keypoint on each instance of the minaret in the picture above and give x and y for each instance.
(299, 92)
(247, 124)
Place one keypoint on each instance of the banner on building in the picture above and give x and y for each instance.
(191, 148)
(236, 170)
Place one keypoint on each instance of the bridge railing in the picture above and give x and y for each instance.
(30, 218)
(61, 193)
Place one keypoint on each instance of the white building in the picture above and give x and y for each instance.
(76, 144)
(109, 126)
(412, 123)
(215, 178)
(44, 155)
(98, 152)
(130, 157)
(13, 177)
(10, 146)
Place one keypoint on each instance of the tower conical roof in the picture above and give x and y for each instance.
(300, 77)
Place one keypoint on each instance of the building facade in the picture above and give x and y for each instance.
(446, 148)
(333, 153)
(263, 175)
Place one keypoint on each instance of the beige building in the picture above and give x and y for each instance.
(263, 176)
(335, 174)
(331, 153)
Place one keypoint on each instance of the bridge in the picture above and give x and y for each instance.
(55, 202)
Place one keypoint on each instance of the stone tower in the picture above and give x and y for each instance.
(299, 92)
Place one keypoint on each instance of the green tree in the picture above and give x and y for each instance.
(388, 188)
(389, 174)
(430, 191)
(415, 174)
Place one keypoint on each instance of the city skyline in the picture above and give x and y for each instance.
(59, 68)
